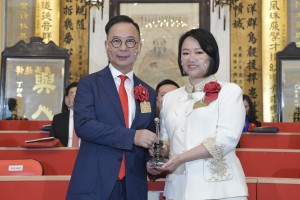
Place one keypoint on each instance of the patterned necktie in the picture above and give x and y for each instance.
(124, 103)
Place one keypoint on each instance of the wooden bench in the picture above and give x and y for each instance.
(292, 127)
(28, 125)
(277, 163)
(281, 140)
(58, 162)
(16, 138)
(55, 161)
(34, 187)
(55, 187)
(21, 167)
(278, 189)
(259, 188)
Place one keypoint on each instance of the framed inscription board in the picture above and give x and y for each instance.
(288, 84)
(33, 78)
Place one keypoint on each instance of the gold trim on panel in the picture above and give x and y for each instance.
(245, 50)
(47, 20)
(274, 39)
(1, 28)
(74, 36)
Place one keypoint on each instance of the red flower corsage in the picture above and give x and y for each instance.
(141, 93)
(211, 90)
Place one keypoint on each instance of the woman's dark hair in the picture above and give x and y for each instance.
(166, 82)
(252, 112)
(64, 107)
(119, 19)
(208, 44)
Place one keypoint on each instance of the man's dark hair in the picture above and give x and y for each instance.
(12, 104)
(119, 19)
(64, 107)
(71, 85)
(166, 82)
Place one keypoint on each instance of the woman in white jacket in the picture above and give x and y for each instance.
(202, 123)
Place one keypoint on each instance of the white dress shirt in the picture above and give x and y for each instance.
(129, 83)
(71, 128)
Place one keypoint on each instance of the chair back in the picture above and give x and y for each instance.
(21, 167)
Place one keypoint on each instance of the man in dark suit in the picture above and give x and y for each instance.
(112, 134)
(61, 126)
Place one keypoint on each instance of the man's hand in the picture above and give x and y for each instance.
(165, 150)
(145, 138)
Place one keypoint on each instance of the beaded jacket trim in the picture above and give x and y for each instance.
(219, 170)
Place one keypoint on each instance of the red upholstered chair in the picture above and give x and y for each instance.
(22, 167)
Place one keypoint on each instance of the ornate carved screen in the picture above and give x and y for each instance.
(288, 83)
(34, 76)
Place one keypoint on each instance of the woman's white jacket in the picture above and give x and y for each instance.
(218, 126)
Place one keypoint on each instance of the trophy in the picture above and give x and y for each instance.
(158, 159)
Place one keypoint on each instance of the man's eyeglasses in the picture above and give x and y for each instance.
(116, 43)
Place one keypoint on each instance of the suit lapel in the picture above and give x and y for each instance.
(137, 104)
(109, 86)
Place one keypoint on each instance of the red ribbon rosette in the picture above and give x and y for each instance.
(211, 90)
(141, 93)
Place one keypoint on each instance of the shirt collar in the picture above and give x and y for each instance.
(198, 93)
(115, 73)
(71, 112)
(200, 86)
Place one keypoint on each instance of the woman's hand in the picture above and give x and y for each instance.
(196, 153)
(154, 170)
(173, 163)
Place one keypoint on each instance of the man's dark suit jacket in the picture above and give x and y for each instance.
(99, 122)
(60, 127)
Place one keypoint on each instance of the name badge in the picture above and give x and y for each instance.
(145, 107)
